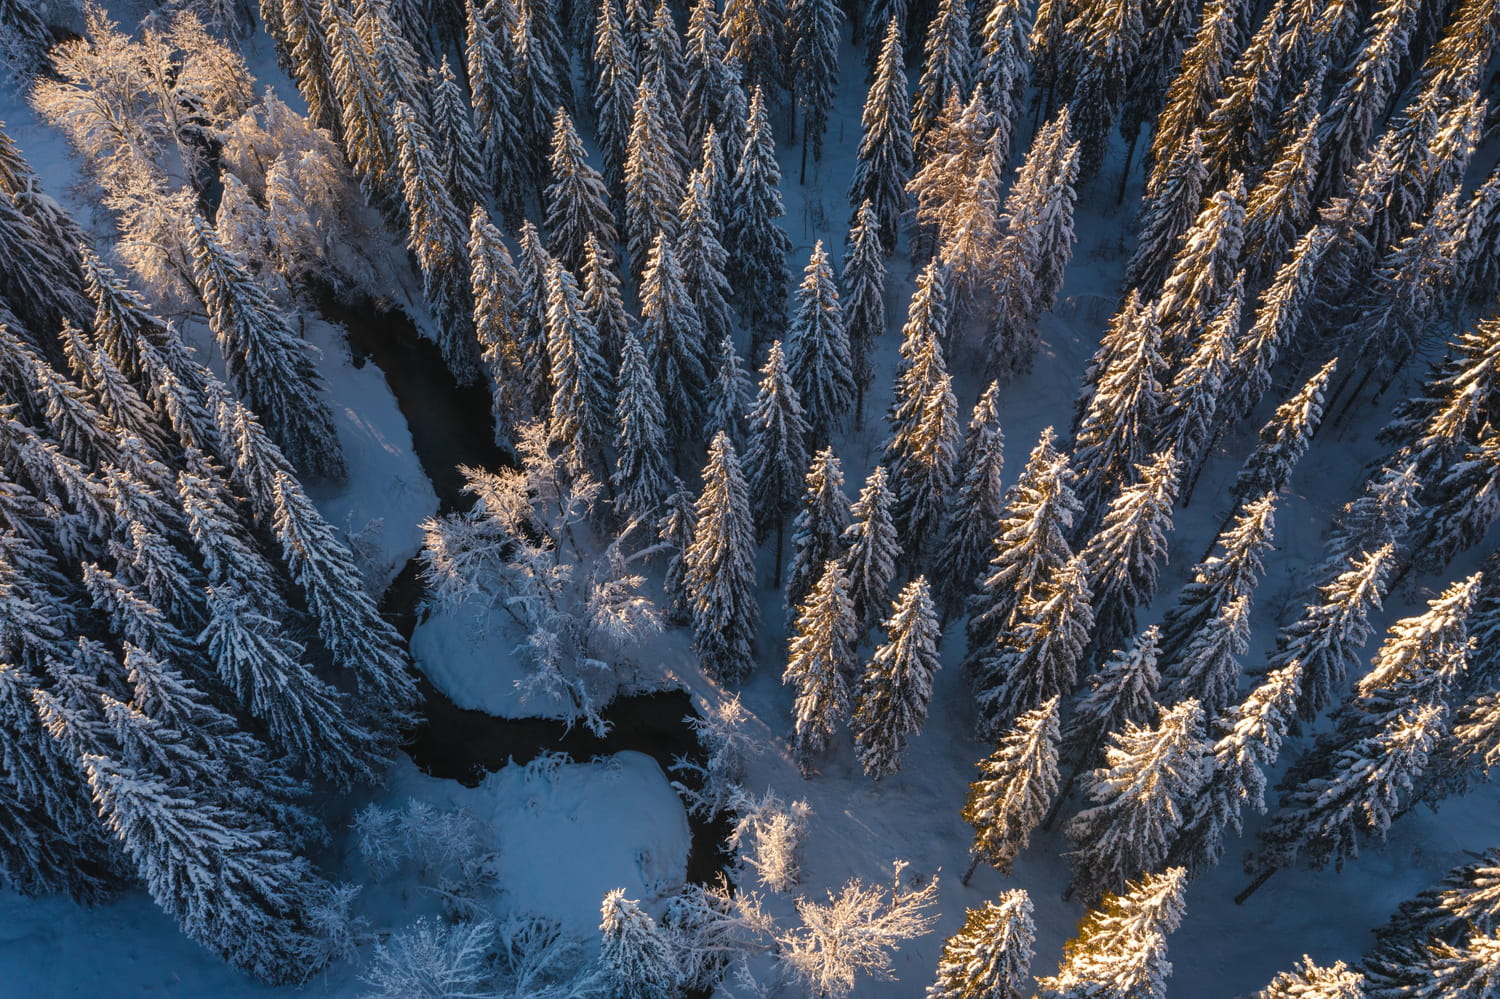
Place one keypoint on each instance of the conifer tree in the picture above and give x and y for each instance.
(674, 529)
(1030, 544)
(1242, 122)
(455, 139)
(864, 313)
(754, 31)
(1114, 434)
(1103, 41)
(268, 363)
(615, 86)
(601, 297)
(1037, 220)
(820, 657)
(1150, 777)
(1166, 213)
(1192, 400)
(814, 66)
(672, 334)
(1285, 438)
(732, 394)
(659, 54)
(818, 349)
(1169, 25)
(947, 66)
(897, 682)
(436, 237)
(492, 97)
(1127, 553)
(1015, 787)
(975, 505)
(362, 105)
(1003, 63)
(1279, 206)
(818, 530)
(757, 245)
(653, 179)
(990, 955)
(872, 549)
(1203, 271)
(1466, 502)
(1039, 657)
(582, 389)
(577, 202)
(703, 257)
(636, 957)
(1277, 320)
(1220, 578)
(643, 466)
(1121, 946)
(720, 567)
(1121, 690)
(776, 454)
(706, 94)
(1199, 83)
(1208, 670)
(537, 85)
(886, 155)
(495, 284)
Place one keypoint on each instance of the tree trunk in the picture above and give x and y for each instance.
(973, 866)
(1125, 174)
(780, 539)
(1254, 886)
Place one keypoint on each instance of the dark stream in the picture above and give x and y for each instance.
(450, 426)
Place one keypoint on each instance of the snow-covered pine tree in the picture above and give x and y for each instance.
(757, 244)
(1128, 552)
(1103, 39)
(1121, 690)
(492, 97)
(653, 179)
(1036, 245)
(672, 334)
(226, 876)
(1249, 741)
(1466, 502)
(1150, 778)
(820, 658)
(1030, 544)
(349, 623)
(720, 567)
(975, 505)
(947, 67)
(1239, 129)
(674, 529)
(864, 313)
(818, 530)
(1038, 657)
(455, 139)
(1278, 318)
(494, 285)
(1208, 669)
(897, 682)
(615, 85)
(1220, 578)
(872, 550)
(1004, 62)
(814, 67)
(659, 54)
(990, 955)
(1378, 517)
(1015, 787)
(577, 200)
(776, 455)
(755, 33)
(731, 396)
(539, 89)
(436, 236)
(1203, 271)
(1166, 213)
(1121, 946)
(601, 297)
(1169, 25)
(268, 363)
(1120, 410)
(700, 250)
(1198, 84)
(643, 466)
(1284, 438)
(1191, 402)
(1279, 206)
(363, 108)
(637, 958)
(706, 94)
(582, 389)
(817, 349)
(886, 155)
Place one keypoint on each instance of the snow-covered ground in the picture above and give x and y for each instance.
(568, 835)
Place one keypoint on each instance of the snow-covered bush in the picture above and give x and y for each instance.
(446, 846)
(428, 960)
(727, 744)
(766, 836)
(714, 929)
(534, 959)
(530, 545)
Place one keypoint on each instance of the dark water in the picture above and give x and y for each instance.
(450, 426)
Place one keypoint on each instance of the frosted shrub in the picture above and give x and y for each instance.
(430, 961)
(447, 846)
(721, 732)
(767, 837)
(534, 959)
(715, 928)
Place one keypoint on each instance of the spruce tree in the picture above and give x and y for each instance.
(653, 179)
(635, 955)
(731, 395)
(538, 88)
(577, 201)
(582, 389)
(1278, 318)
(1015, 787)
(455, 139)
(1192, 400)
(990, 955)
(1285, 438)
(820, 657)
(754, 31)
(1150, 777)
(1166, 213)
(864, 312)
(818, 349)
(814, 66)
(1004, 61)
(1121, 946)
(1208, 670)
(976, 504)
(886, 153)
(757, 244)
(643, 465)
(1279, 206)
(268, 363)
(1104, 38)
(1202, 272)
(1121, 690)
(492, 97)
(776, 454)
(615, 85)
(674, 529)
(703, 257)
(494, 284)
(872, 550)
(1198, 84)
(818, 530)
(601, 297)
(947, 66)
(897, 682)
(706, 94)
(672, 334)
(720, 567)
